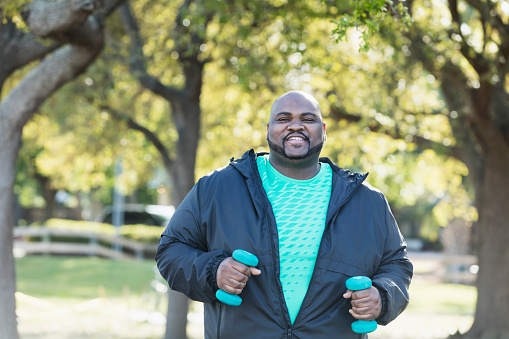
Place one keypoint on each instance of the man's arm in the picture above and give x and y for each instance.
(394, 274)
(182, 256)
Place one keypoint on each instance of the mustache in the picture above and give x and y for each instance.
(293, 133)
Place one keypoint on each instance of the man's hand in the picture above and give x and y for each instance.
(232, 275)
(366, 304)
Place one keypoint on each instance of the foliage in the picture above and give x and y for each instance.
(368, 16)
(11, 9)
(371, 86)
(250, 62)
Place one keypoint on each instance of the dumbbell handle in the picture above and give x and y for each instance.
(245, 258)
(356, 284)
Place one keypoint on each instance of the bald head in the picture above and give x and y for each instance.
(296, 133)
(297, 100)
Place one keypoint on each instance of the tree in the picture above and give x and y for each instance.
(190, 37)
(464, 46)
(472, 69)
(78, 40)
(252, 60)
(235, 56)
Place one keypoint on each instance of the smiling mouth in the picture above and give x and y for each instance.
(296, 138)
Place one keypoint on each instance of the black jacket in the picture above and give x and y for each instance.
(229, 209)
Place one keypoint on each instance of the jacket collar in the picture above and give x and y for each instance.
(344, 185)
(350, 180)
(245, 164)
(344, 182)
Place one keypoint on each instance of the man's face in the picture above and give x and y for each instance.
(296, 129)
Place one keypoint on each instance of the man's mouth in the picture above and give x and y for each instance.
(296, 138)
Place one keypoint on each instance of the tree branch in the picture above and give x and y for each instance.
(110, 6)
(163, 151)
(19, 49)
(475, 59)
(485, 11)
(337, 113)
(189, 49)
(137, 60)
(453, 9)
(60, 67)
(53, 18)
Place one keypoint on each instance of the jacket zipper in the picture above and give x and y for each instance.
(261, 191)
(275, 254)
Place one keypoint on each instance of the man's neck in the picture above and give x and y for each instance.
(296, 169)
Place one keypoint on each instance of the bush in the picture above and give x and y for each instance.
(140, 233)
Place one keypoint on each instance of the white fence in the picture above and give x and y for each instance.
(95, 244)
(448, 268)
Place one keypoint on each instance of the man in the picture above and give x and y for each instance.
(311, 224)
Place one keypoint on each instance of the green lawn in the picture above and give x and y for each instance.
(81, 277)
(86, 297)
(441, 299)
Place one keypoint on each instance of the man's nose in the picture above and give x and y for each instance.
(296, 126)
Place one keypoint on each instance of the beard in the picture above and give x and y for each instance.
(281, 150)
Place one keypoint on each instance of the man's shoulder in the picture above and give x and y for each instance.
(355, 179)
(220, 173)
(346, 175)
(371, 189)
(370, 194)
(237, 168)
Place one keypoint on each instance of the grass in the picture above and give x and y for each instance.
(441, 299)
(81, 277)
(99, 298)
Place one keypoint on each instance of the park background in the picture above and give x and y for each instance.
(137, 99)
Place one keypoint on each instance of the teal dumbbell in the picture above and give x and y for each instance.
(357, 284)
(247, 259)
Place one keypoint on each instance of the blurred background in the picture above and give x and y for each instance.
(109, 118)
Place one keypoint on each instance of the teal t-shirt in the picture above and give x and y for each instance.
(300, 208)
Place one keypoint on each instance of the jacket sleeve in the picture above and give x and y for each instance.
(395, 272)
(182, 256)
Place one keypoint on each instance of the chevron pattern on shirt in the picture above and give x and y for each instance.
(300, 208)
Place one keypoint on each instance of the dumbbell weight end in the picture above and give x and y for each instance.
(228, 299)
(357, 284)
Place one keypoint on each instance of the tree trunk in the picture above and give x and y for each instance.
(185, 113)
(493, 252)
(16, 109)
(176, 318)
(187, 119)
(9, 146)
(85, 36)
(48, 193)
(481, 131)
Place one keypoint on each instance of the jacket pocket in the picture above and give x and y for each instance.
(340, 267)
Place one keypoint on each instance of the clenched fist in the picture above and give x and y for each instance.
(232, 275)
(366, 304)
